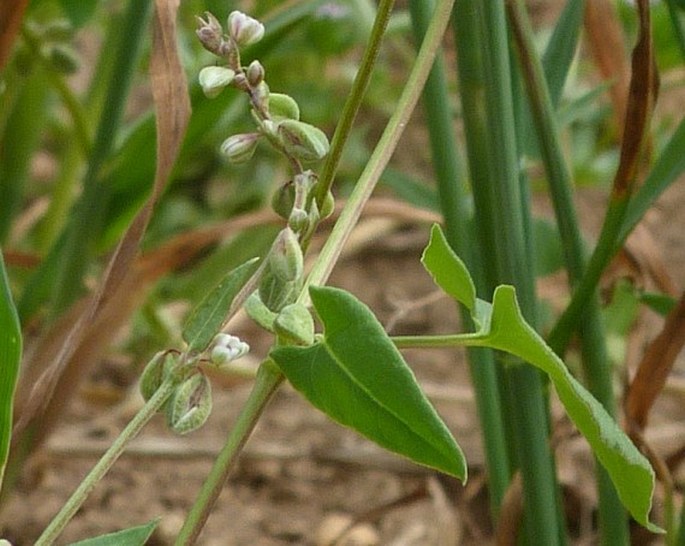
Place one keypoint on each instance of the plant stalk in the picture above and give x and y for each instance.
(70, 508)
(266, 383)
(383, 151)
(354, 100)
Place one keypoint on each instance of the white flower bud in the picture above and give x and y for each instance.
(240, 148)
(255, 73)
(244, 29)
(227, 348)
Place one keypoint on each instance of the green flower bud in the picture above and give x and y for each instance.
(285, 259)
(59, 30)
(190, 404)
(304, 141)
(244, 29)
(156, 371)
(213, 79)
(261, 94)
(240, 148)
(255, 73)
(283, 106)
(298, 220)
(294, 324)
(283, 200)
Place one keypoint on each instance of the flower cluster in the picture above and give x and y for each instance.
(277, 115)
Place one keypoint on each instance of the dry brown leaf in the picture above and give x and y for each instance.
(604, 34)
(641, 98)
(12, 13)
(511, 513)
(655, 367)
(169, 89)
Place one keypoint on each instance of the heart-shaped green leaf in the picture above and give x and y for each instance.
(501, 326)
(358, 378)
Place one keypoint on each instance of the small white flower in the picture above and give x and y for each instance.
(227, 348)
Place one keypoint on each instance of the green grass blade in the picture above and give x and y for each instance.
(667, 169)
(358, 378)
(10, 356)
(87, 215)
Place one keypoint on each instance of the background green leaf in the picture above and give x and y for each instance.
(10, 356)
(358, 377)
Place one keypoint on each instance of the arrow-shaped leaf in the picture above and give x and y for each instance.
(503, 327)
(357, 377)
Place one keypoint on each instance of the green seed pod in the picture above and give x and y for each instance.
(213, 79)
(156, 371)
(190, 404)
(283, 200)
(240, 148)
(276, 293)
(285, 259)
(304, 141)
(298, 220)
(294, 324)
(283, 106)
(260, 313)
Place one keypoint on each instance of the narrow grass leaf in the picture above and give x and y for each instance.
(667, 169)
(357, 377)
(207, 318)
(503, 327)
(135, 536)
(449, 274)
(10, 355)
